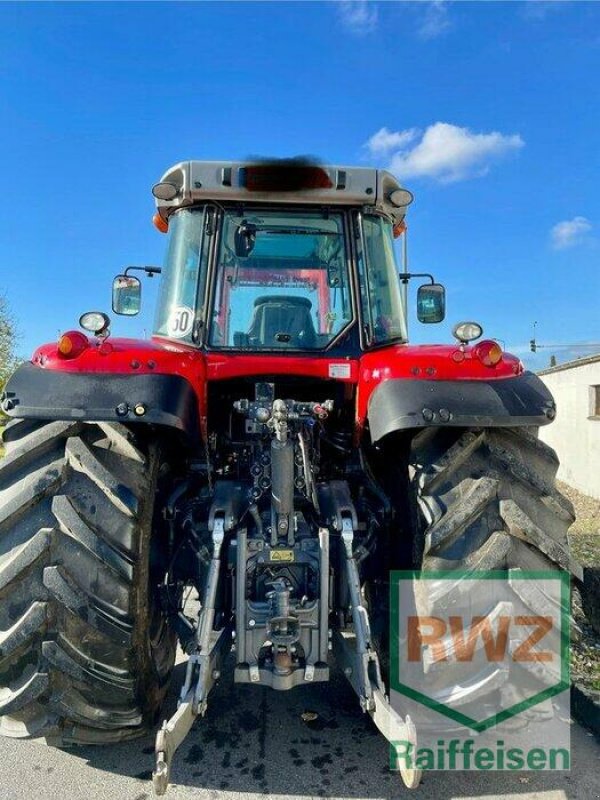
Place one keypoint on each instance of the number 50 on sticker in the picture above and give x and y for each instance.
(181, 322)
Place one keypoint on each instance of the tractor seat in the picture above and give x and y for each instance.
(282, 321)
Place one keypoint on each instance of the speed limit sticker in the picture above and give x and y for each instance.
(181, 322)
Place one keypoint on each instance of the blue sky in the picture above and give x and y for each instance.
(489, 112)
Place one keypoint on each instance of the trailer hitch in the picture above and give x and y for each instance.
(203, 669)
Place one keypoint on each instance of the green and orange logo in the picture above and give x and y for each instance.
(479, 648)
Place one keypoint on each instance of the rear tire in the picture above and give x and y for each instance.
(488, 501)
(85, 650)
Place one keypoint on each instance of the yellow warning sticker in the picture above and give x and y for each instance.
(282, 555)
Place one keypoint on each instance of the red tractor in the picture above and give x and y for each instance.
(276, 449)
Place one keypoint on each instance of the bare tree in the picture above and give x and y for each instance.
(8, 339)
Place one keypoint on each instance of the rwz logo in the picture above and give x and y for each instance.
(479, 647)
(459, 639)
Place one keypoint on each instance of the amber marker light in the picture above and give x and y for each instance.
(399, 229)
(72, 344)
(160, 224)
(488, 352)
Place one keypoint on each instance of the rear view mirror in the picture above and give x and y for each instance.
(333, 276)
(431, 302)
(244, 239)
(126, 295)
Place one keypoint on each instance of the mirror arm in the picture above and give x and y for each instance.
(150, 271)
(406, 276)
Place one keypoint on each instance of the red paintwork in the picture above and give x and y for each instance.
(425, 362)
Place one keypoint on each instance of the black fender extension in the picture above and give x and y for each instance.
(167, 400)
(406, 403)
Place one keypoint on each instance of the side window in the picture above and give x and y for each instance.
(184, 274)
(381, 296)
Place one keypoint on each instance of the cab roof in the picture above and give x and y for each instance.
(283, 181)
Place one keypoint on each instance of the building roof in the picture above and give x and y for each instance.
(578, 362)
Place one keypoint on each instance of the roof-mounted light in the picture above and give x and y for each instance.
(165, 191)
(401, 198)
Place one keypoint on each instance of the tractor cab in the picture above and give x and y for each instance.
(285, 256)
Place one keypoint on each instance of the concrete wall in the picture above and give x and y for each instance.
(575, 434)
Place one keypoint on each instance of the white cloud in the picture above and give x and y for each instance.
(361, 17)
(358, 16)
(445, 152)
(384, 141)
(435, 21)
(570, 232)
(540, 9)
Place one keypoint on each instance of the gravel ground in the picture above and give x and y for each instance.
(584, 535)
(584, 538)
(585, 653)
